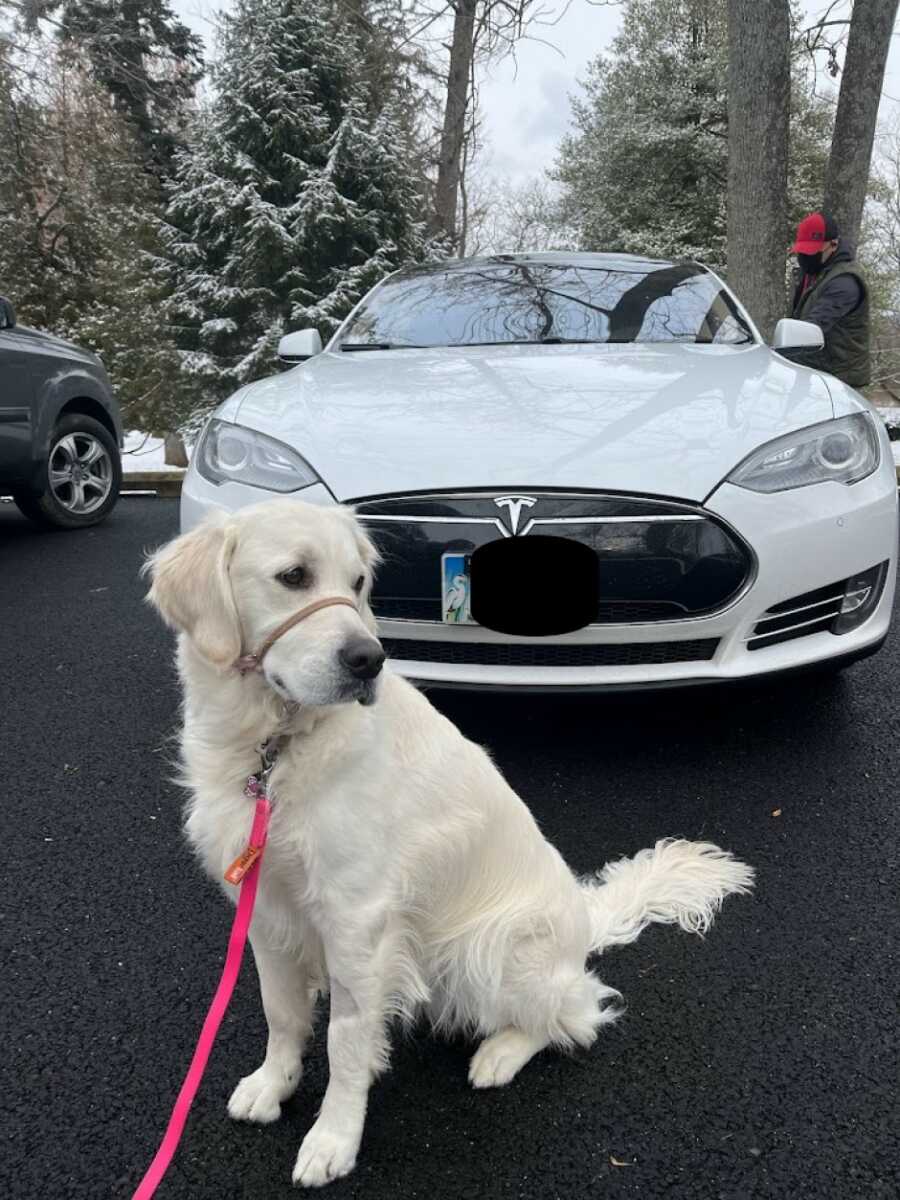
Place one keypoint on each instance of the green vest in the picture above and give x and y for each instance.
(846, 352)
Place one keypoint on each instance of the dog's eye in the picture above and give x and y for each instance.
(358, 586)
(296, 577)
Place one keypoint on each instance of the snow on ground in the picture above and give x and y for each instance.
(145, 453)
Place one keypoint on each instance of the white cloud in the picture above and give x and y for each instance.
(526, 101)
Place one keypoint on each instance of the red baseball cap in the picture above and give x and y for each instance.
(813, 232)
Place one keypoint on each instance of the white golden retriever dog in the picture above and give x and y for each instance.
(402, 873)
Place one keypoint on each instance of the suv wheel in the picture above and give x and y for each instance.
(81, 477)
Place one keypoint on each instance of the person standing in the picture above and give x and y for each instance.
(832, 293)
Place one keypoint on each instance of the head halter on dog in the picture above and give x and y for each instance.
(253, 662)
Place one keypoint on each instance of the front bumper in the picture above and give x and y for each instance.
(803, 539)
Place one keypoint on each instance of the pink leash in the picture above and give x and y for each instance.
(245, 868)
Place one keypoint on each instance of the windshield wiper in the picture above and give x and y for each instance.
(687, 340)
(564, 341)
(381, 346)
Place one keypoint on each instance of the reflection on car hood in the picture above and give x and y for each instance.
(671, 420)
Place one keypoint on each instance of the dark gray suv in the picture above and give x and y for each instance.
(60, 428)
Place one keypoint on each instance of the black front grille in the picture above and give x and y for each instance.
(657, 560)
(516, 654)
(609, 612)
(407, 608)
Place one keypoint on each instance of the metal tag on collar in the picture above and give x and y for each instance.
(258, 784)
(268, 753)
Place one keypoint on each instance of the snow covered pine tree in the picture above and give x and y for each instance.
(645, 167)
(301, 191)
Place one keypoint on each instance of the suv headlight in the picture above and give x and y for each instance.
(232, 452)
(844, 450)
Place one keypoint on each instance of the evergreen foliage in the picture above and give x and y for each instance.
(301, 191)
(645, 170)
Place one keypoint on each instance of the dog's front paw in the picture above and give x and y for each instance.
(324, 1156)
(258, 1097)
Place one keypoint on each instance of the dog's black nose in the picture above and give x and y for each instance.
(363, 657)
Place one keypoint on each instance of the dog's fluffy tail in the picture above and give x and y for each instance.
(676, 881)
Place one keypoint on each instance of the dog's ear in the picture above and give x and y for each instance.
(367, 548)
(371, 557)
(192, 592)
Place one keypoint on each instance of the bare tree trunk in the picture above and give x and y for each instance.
(847, 179)
(759, 89)
(463, 237)
(461, 52)
(175, 453)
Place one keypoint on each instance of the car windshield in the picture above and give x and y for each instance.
(498, 302)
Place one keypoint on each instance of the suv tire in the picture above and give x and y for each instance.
(81, 477)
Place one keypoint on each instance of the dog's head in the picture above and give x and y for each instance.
(234, 579)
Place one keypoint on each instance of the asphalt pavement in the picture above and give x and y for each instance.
(759, 1062)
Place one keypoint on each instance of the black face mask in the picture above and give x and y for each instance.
(810, 264)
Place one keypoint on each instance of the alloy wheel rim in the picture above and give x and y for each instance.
(81, 473)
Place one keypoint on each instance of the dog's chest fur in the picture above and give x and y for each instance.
(328, 835)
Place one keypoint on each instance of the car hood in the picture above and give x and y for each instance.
(51, 341)
(671, 420)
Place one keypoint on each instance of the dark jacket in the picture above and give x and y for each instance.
(837, 300)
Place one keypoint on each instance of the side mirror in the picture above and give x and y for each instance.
(299, 346)
(7, 314)
(797, 335)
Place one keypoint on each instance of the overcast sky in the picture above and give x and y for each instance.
(526, 103)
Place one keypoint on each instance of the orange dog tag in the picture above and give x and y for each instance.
(242, 864)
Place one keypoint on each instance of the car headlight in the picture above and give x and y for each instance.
(235, 453)
(844, 450)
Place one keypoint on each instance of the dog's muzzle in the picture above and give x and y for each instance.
(253, 662)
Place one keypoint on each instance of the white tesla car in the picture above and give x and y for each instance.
(583, 471)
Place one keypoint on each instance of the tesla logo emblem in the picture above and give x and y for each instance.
(515, 504)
